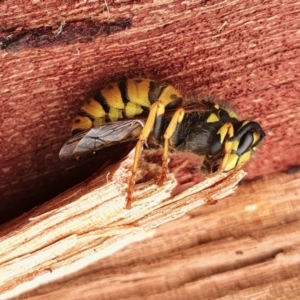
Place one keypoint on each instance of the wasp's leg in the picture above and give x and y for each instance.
(226, 131)
(173, 125)
(156, 110)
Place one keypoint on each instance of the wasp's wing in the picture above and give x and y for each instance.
(100, 137)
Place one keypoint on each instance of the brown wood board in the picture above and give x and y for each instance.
(55, 54)
(244, 247)
(89, 222)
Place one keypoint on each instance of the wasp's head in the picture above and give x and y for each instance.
(232, 142)
(243, 144)
(233, 146)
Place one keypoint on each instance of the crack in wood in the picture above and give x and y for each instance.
(67, 32)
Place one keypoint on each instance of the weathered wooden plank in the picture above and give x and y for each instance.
(246, 246)
(90, 222)
(245, 53)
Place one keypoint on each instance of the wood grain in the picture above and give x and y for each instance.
(244, 247)
(90, 222)
(51, 61)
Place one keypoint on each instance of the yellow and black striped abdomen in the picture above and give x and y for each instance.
(125, 99)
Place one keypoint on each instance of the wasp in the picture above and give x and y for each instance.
(154, 114)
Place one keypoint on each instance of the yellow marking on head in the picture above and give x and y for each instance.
(112, 95)
(244, 158)
(114, 114)
(82, 123)
(213, 118)
(235, 161)
(132, 109)
(256, 137)
(225, 131)
(235, 145)
(93, 108)
(137, 92)
(231, 162)
(169, 94)
(233, 158)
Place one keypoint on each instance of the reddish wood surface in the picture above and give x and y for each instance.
(247, 53)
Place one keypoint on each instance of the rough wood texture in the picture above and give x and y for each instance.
(55, 54)
(245, 247)
(246, 53)
(89, 222)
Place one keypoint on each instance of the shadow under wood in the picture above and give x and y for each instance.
(41, 188)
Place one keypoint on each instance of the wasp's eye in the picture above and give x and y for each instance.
(244, 144)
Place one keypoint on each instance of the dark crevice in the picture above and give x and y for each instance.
(66, 33)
